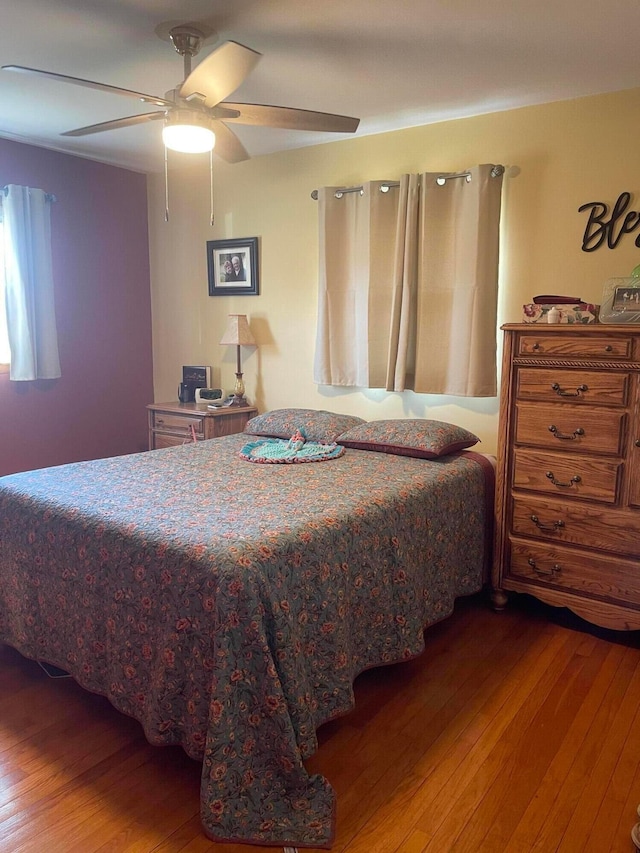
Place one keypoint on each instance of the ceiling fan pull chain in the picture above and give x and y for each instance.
(211, 183)
(166, 186)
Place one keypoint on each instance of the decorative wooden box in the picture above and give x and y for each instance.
(570, 313)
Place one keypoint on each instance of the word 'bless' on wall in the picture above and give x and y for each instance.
(600, 228)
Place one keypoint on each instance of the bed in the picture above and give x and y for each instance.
(229, 606)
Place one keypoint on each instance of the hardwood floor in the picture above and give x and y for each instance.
(515, 732)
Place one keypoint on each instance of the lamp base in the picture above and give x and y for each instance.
(238, 401)
(238, 398)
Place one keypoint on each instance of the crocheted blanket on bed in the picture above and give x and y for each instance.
(296, 449)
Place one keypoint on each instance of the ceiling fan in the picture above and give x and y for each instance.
(195, 114)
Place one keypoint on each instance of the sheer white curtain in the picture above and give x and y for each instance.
(29, 296)
(5, 354)
(417, 297)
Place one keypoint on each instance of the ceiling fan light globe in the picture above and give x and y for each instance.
(188, 132)
(188, 138)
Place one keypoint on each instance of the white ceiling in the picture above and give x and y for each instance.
(391, 63)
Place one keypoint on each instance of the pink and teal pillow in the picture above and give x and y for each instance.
(424, 439)
(317, 424)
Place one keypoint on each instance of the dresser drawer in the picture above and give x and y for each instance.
(574, 523)
(573, 346)
(570, 428)
(604, 388)
(592, 575)
(581, 477)
(178, 424)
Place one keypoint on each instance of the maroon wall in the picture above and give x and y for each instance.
(103, 311)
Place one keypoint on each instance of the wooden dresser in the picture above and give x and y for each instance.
(568, 477)
(175, 423)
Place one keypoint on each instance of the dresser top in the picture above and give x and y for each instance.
(586, 328)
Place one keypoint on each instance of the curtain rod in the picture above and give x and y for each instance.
(48, 196)
(387, 185)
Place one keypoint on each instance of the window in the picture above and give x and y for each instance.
(28, 285)
(4, 339)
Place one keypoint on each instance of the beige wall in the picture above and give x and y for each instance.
(558, 156)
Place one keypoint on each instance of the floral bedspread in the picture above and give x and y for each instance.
(229, 606)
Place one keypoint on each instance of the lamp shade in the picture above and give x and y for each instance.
(238, 331)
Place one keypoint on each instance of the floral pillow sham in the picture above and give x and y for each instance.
(419, 437)
(316, 424)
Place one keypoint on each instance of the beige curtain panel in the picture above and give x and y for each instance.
(409, 284)
(355, 288)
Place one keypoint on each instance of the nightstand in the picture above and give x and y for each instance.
(175, 423)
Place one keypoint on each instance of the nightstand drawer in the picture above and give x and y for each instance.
(572, 346)
(570, 428)
(592, 575)
(573, 386)
(178, 424)
(166, 439)
(581, 477)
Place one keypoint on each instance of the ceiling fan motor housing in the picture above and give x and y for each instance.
(186, 116)
(186, 40)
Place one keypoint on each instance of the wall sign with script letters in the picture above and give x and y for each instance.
(599, 228)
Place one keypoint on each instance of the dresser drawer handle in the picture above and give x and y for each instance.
(575, 479)
(562, 392)
(565, 436)
(555, 569)
(536, 347)
(608, 348)
(159, 421)
(552, 528)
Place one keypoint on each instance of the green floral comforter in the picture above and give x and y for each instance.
(230, 606)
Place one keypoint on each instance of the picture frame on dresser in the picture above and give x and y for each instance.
(621, 301)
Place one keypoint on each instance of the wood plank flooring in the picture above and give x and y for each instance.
(515, 732)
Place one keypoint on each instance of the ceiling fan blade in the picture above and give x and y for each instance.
(129, 121)
(90, 84)
(291, 119)
(220, 73)
(228, 146)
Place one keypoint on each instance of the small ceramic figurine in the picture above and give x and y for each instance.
(554, 315)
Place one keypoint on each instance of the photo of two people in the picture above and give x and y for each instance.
(232, 267)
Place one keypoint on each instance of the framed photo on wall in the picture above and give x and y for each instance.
(233, 267)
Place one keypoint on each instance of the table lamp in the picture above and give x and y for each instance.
(238, 334)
